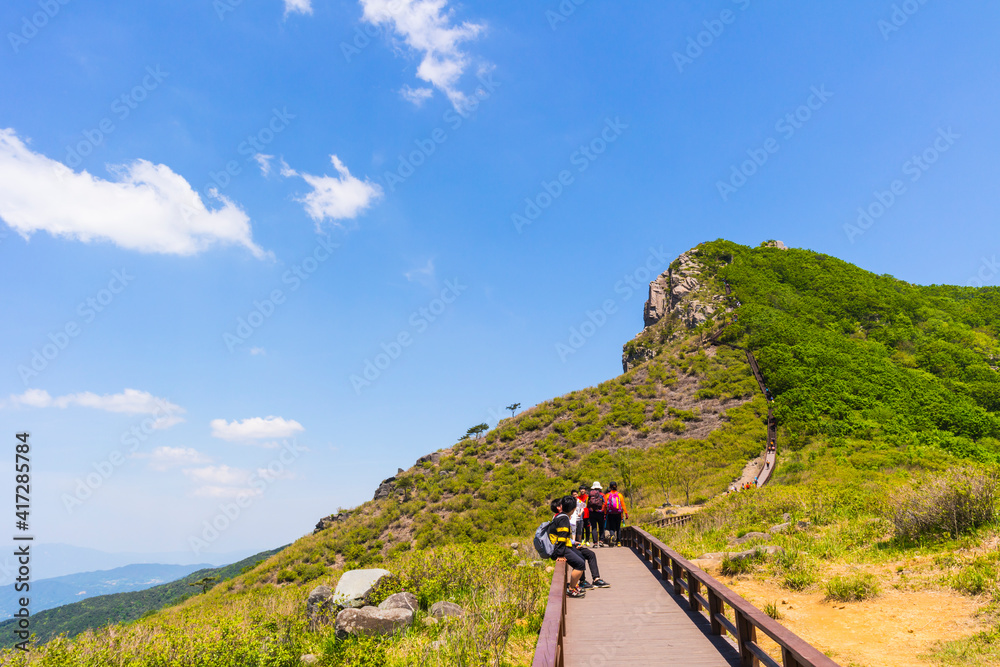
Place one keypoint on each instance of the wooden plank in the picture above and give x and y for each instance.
(638, 621)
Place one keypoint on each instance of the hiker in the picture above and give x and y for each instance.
(589, 557)
(614, 510)
(562, 542)
(575, 518)
(581, 497)
(595, 510)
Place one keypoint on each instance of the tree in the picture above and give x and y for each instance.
(664, 474)
(476, 431)
(512, 407)
(688, 472)
(205, 583)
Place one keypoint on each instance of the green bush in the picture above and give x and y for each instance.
(852, 587)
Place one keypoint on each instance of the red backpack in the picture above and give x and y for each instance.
(595, 500)
(615, 502)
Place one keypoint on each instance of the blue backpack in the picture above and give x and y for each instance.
(543, 545)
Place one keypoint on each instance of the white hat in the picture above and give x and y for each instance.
(597, 485)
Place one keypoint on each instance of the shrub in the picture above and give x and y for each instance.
(733, 565)
(955, 503)
(852, 588)
(975, 578)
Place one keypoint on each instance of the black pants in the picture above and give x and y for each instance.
(591, 559)
(586, 529)
(615, 525)
(596, 525)
(573, 558)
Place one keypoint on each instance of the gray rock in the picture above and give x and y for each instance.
(750, 553)
(802, 525)
(514, 545)
(432, 458)
(385, 488)
(309, 659)
(429, 621)
(780, 528)
(445, 609)
(786, 517)
(747, 538)
(372, 621)
(403, 600)
(319, 607)
(354, 586)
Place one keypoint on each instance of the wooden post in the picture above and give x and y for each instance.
(693, 587)
(748, 633)
(664, 566)
(715, 607)
(677, 576)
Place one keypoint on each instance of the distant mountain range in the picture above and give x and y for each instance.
(102, 610)
(57, 591)
(56, 560)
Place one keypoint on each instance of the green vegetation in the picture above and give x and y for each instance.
(97, 612)
(852, 588)
(235, 625)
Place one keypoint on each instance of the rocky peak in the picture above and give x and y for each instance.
(682, 292)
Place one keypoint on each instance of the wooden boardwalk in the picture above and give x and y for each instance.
(638, 621)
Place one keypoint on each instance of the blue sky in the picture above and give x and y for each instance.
(217, 215)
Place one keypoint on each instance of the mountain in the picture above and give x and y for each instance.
(56, 560)
(102, 610)
(55, 592)
(879, 387)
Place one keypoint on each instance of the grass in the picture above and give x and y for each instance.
(854, 587)
(264, 625)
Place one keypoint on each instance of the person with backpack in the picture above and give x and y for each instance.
(614, 510)
(595, 510)
(589, 557)
(553, 540)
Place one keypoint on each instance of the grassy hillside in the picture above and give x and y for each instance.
(878, 385)
(102, 610)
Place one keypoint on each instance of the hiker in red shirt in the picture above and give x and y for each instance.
(595, 512)
(614, 511)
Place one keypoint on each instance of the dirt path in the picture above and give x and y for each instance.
(889, 631)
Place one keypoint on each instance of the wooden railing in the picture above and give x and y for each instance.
(690, 579)
(676, 520)
(549, 649)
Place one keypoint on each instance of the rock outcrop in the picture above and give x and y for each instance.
(319, 607)
(328, 521)
(372, 621)
(385, 489)
(682, 293)
(403, 600)
(355, 586)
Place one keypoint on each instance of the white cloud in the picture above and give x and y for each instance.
(130, 401)
(423, 275)
(299, 6)
(416, 95)
(255, 428)
(426, 26)
(164, 458)
(147, 207)
(265, 163)
(220, 475)
(340, 197)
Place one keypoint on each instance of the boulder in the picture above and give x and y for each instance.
(747, 538)
(432, 458)
(786, 517)
(372, 621)
(445, 609)
(404, 600)
(750, 553)
(802, 525)
(385, 488)
(309, 659)
(780, 528)
(354, 586)
(429, 621)
(319, 607)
